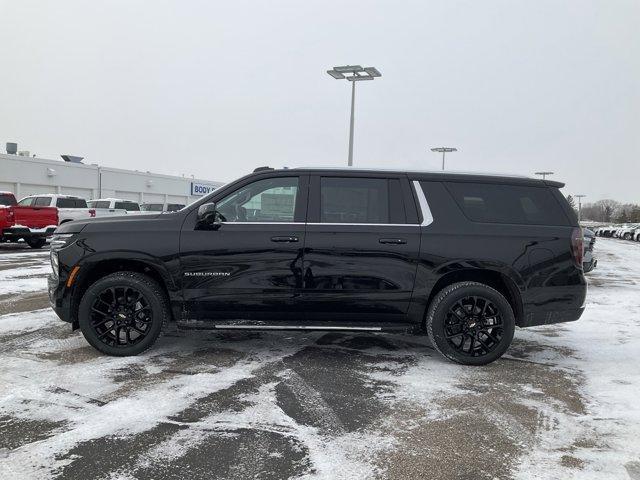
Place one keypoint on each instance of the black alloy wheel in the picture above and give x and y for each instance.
(470, 323)
(474, 326)
(121, 316)
(123, 313)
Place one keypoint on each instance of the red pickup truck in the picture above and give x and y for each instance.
(33, 224)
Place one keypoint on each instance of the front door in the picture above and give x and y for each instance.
(251, 266)
(361, 249)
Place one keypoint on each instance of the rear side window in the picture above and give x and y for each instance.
(519, 204)
(354, 200)
(151, 207)
(99, 204)
(128, 206)
(70, 202)
(7, 200)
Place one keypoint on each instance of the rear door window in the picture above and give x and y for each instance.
(354, 200)
(71, 202)
(517, 204)
(128, 206)
(7, 200)
(42, 202)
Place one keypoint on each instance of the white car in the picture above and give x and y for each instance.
(69, 207)
(123, 207)
(626, 232)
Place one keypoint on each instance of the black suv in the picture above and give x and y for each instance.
(464, 258)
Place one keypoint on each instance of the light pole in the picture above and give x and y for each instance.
(353, 73)
(444, 150)
(579, 197)
(544, 174)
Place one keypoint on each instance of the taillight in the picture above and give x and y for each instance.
(92, 212)
(577, 247)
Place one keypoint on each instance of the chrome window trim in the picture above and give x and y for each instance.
(263, 223)
(330, 224)
(368, 224)
(427, 217)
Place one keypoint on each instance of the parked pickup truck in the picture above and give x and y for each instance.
(69, 207)
(31, 223)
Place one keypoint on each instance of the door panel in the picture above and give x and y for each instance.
(348, 270)
(239, 271)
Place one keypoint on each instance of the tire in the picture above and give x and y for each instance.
(627, 236)
(36, 242)
(486, 343)
(123, 313)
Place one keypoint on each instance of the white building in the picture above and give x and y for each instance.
(25, 175)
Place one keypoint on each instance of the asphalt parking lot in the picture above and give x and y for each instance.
(563, 403)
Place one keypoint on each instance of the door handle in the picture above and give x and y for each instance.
(393, 241)
(284, 239)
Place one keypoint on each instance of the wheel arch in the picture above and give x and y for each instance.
(97, 268)
(493, 278)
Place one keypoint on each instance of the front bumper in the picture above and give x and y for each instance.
(60, 303)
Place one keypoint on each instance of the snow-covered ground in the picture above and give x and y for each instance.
(563, 403)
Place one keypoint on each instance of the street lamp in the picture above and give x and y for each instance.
(579, 197)
(353, 73)
(544, 174)
(444, 150)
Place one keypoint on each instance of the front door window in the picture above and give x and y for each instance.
(268, 200)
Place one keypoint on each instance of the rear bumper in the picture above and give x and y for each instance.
(533, 319)
(16, 233)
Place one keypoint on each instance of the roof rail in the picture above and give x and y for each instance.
(262, 169)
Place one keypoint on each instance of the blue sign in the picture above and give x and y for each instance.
(200, 189)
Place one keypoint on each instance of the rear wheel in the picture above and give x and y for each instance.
(123, 313)
(36, 242)
(470, 323)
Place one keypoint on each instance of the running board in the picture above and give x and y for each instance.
(198, 325)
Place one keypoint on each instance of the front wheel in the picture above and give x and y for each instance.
(123, 313)
(470, 323)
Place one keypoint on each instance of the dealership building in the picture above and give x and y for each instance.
(24, 175)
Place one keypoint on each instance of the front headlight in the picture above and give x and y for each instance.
(57, 242)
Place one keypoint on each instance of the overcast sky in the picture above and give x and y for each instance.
(215, 89)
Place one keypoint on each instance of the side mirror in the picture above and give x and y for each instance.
(208, 217)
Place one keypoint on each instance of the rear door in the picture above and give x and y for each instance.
(362, 246)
